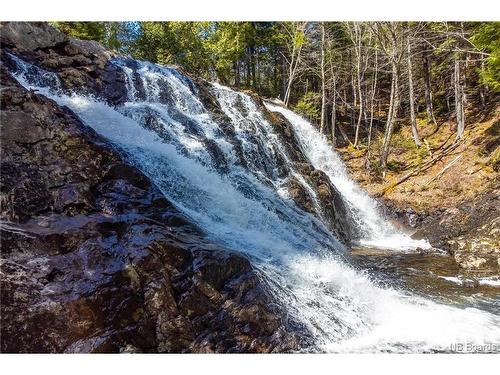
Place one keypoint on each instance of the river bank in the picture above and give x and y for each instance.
(454, 203)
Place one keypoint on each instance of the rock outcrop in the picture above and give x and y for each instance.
(82, 66)
(470, 232)
(94, 258)
(333, 207)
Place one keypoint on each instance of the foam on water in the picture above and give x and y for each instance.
(343, 309)
(493, 281)
(384, 319)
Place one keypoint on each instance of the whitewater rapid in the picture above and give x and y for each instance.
(239, 200)
(376, 231)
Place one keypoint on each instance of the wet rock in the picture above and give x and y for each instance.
(329, 200)
(209, 100)
(30, 36)
(300, 195)
(95, 259)
(406, 216)
(333, 207)
(83, 66)
(285, 130)
(468, 283)
(470, 232)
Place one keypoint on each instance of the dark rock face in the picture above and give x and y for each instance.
(30, 36)
(95, 259)
(469, 232)
(82, 66)
(333, 207)
(405, 216)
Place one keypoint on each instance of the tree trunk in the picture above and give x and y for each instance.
(276, 66)
(284, 82)
(391, 118)
(248, 75)
(334, 103)
(252, 67)
(237, 73)
(291, 74)
(459, 100)
(334, 113)
(323, 81)
(294, 63)
(482, 88)
(359, 82)
(372, 101)
(414, 129)
(344, 135)
(427, 86)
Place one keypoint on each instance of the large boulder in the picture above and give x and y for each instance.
(470, 232)
(95, 259)
(83, 66)
(30, 36)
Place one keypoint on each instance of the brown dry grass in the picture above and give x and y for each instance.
(476, 171)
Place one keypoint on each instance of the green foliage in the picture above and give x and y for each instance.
(115, 35)
(403, 142)
(324, 57)
(409, 155)
(486, 37)
(299, 39)
(375, 168)
(257, 56)
(213, 50)
(226, 45)
(83, 30)
(418, 156)
(181, 43)
(395, 165)
(309, 106)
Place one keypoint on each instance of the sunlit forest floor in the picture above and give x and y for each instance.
(466, 171)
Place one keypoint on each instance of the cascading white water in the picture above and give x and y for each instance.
(229, 99)
(377, 232)
(165, 131)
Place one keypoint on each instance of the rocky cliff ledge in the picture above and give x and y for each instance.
(94, 258)
(470, 232)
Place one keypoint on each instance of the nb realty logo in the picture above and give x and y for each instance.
(474, 348)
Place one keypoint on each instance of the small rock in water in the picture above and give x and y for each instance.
(470, 283)
(44, 223)
(421, 251)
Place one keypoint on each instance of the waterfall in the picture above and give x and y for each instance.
(376, 231)
(229, 177)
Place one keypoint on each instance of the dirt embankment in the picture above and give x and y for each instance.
(454, 201)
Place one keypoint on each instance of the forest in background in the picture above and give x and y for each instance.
(358, 81)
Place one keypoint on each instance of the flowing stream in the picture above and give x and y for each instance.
(377, 232)
(229, 174)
